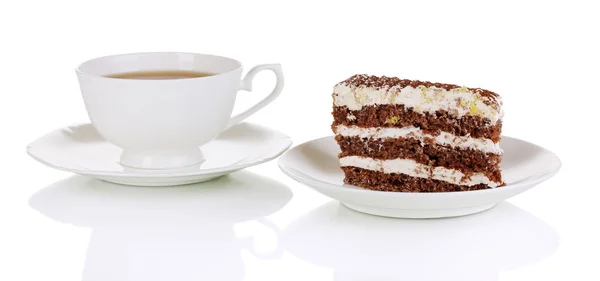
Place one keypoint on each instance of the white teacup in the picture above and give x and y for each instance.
(160, 124)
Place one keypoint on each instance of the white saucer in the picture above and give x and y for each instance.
(81, 150)
(315, 164)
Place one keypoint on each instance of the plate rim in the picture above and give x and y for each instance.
(528, 182)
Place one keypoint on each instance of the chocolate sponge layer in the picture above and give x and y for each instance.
(432, 123)
(428, 153)
(400, 183)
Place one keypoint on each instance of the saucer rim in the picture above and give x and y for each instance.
(30, 147)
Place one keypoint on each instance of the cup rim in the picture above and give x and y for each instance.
(81, 72)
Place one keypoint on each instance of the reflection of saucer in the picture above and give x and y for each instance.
(362, 247)
(175, 233)
(81, 150)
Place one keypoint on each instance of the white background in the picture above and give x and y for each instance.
(541, 56)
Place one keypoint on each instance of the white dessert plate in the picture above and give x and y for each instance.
(315, 164)
(81, 150)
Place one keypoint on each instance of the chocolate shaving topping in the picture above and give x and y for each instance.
(383, 82)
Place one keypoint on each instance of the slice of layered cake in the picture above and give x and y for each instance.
(413, 136)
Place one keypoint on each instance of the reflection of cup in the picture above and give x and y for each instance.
(160, 123)
(364, 247)
(175, 233)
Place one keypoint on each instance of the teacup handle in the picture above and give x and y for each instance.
(246, 85)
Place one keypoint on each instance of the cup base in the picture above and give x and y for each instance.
(161, 160)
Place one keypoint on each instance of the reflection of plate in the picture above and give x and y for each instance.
(315, 163)
(362, 247)
(175, 233)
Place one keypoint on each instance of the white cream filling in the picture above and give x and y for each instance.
(460, 100)
(414, 169)
(444, 138)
